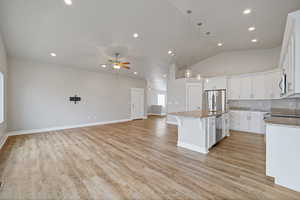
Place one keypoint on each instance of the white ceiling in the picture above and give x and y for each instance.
(82, 34)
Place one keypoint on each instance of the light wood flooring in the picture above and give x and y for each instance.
(134, 160)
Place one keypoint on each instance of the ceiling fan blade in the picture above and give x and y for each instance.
(125, 63)
(124, 66)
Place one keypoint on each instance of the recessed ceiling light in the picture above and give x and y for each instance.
(220, 44)
(68, 2)
(116, 67)
(53, 54)
(170, 52)
(247, 11)
(254, 40)
(135, 73)
(252, 28)
(165, 75)
(135, 35)
(103, 66)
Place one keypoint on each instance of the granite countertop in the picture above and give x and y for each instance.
(284, 121)
(197, 114)
(280, 111)
(247, 109)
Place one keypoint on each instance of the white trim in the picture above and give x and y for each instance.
(192, 147)
(2, 142)
(23, 132)
(173, 123)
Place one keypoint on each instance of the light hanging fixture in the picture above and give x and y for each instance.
(188, 73)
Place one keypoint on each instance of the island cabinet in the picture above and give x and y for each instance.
(282, 151)
(199, 131)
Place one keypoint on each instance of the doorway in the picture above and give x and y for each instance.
(193, 96)
(137, 103)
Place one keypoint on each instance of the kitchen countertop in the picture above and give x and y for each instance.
(197, 114)
(247, 109)
(284, 121)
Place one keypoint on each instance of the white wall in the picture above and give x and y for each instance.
(3, 69)
(237, 62)
(176, 94)
(39, 96)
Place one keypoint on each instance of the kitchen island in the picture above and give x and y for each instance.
(200, 130)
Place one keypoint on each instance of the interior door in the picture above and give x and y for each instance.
(194, 96)
(137, 103)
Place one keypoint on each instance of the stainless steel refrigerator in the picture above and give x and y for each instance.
(215, 100)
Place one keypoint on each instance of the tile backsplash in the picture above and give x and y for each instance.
(263, 105)
(267, 105)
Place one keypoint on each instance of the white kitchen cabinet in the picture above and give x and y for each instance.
(258, 87)
(282, 155)
(256, 122)
(234, 120)
(272, 80)
(244, 121)
(234, 88)
(225, 125)
(290, 57)
(263, 85)
(215, 83)
(247, 121)
(246, 88)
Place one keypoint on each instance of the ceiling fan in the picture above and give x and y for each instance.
(116, 63)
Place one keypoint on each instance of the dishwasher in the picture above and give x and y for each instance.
(219, 128)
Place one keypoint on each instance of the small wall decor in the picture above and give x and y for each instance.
(75, 99)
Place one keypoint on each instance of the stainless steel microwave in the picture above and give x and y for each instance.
(283, 85)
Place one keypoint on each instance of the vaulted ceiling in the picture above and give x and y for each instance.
(86, 33)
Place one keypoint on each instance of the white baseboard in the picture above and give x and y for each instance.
(3, 140)
(173, 123)
(192, 147)
(24, 132)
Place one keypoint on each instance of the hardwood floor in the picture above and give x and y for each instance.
(134, 160)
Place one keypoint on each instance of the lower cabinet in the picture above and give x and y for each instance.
(247, 121)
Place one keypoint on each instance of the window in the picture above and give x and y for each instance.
(161, 100)
(1, 97)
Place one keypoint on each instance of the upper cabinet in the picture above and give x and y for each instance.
(215, 83)
(271, 85)
(234, 88)
(255, 86)
(290, 56)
